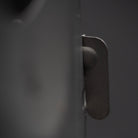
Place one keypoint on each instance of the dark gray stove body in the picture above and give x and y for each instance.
(40, 60)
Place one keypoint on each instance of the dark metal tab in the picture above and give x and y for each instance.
(95, 57)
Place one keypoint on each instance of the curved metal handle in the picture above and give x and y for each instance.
(95, 58)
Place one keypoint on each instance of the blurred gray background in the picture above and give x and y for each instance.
(116, 22)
